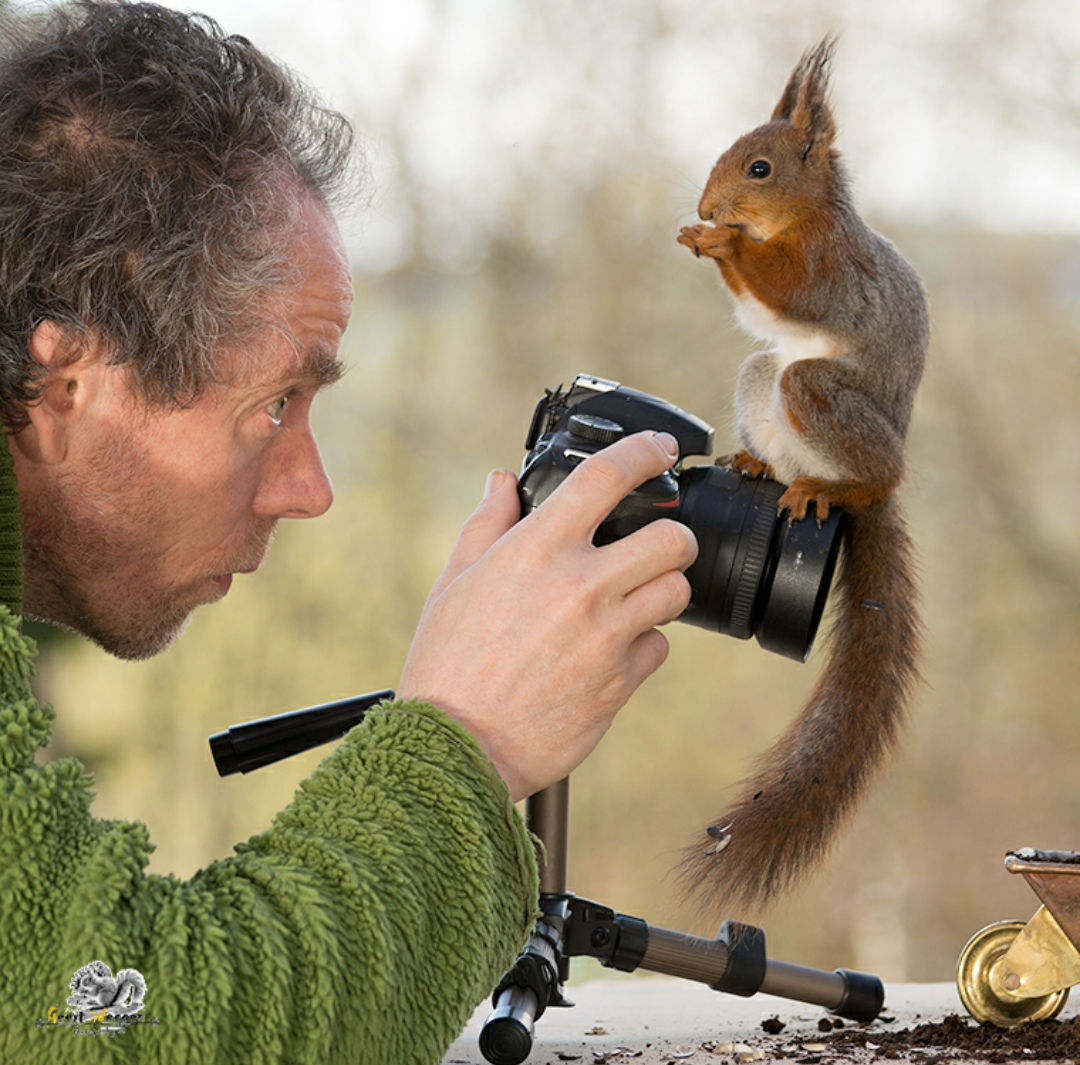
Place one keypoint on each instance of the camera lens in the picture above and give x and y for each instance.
(757, 573)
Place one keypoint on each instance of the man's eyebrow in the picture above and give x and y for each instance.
(317, 365)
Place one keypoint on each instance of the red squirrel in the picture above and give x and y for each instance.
(824, 408)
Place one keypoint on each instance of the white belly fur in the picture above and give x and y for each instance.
(763, 421)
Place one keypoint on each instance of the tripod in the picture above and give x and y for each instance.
(569, 926)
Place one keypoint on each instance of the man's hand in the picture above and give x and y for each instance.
(532, 638)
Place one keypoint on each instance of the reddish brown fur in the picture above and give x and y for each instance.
(776, 271)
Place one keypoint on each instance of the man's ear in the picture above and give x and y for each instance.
(73, 374)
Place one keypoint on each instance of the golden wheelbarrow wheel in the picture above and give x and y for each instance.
(1012, 972)
(982, 986)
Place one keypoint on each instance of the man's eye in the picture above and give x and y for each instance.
(276, 410)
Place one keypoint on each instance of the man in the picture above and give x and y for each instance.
(174, 295)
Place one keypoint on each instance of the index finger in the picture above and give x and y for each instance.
(604, 479)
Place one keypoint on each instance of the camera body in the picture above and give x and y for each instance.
(757, 573)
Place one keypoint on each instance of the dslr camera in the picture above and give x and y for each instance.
(757, 572)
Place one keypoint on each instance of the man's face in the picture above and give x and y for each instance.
(150, 512)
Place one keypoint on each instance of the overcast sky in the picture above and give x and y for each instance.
(915, 149)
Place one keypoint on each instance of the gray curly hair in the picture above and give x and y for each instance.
(144, 157)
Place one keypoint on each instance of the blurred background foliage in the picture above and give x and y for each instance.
(531, 165)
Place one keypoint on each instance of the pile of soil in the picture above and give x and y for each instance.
(956, 1036)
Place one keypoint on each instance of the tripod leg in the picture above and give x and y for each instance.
(507, 1035)
(547, 814)
(535, 981)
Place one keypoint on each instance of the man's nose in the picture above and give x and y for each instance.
(295, 483)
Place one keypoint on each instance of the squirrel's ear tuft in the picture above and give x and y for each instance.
(805, 101)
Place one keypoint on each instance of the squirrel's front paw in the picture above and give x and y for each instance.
(688, 238)
(711, 241)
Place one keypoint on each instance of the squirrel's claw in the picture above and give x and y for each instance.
(748, 465)
(796, 501)
(714, 242)
(688, 238)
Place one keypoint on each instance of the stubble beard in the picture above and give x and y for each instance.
(91, 571)
(73, 581)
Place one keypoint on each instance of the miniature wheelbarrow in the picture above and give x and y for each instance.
(1012, 972)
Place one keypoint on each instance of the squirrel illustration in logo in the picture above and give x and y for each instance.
(94, 989)
(824, 408)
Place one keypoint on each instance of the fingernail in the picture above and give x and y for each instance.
(495, 481)
(669, 444)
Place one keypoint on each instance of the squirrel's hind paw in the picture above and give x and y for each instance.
(748, 465)
(797, 498)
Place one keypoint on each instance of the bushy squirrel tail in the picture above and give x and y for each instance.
(807, 785)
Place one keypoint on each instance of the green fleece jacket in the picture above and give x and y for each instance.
(364, 925)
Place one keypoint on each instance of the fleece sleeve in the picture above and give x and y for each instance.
(365, 925)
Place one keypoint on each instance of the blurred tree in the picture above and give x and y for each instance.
(542, 160)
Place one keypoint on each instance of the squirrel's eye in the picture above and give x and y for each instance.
(759, 168)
